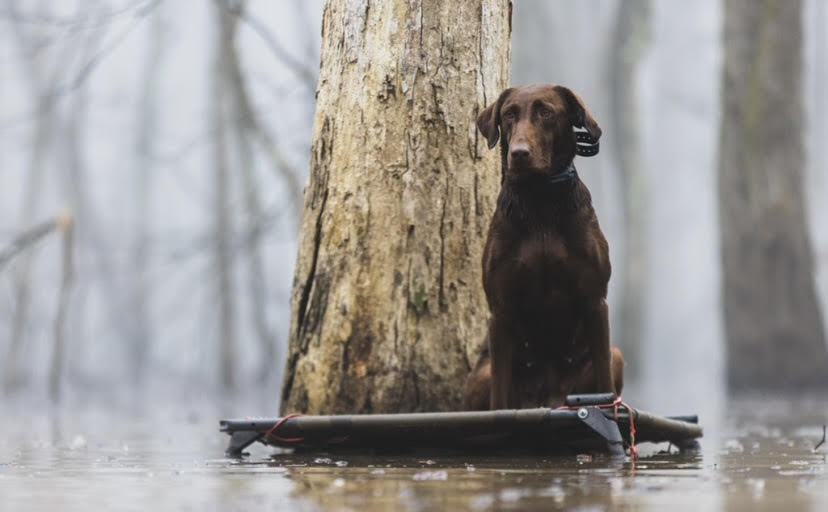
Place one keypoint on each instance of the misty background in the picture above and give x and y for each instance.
(177, 135)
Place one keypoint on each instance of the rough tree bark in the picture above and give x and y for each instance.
(775, 336)
(387, 309)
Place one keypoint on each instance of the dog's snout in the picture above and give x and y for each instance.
(520, 152)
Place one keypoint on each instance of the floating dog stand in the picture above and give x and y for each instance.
(594, 423)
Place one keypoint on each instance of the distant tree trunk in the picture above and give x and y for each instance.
(247, 124)
(632, 32)
(272, 358)
(775, 336)
(387, 309)
(140, 331)
(818, 124)
(70, 143)
(56, 368)
(223, 226)
(23, 280)
(41, 82)
(246, 130)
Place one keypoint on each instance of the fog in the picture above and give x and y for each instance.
(105, 113)
(100, 64)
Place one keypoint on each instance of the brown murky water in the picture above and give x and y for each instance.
(757, 455)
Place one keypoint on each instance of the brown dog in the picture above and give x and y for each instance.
(546, 263)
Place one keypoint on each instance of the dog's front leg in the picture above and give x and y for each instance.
(596, 335)
(500, 350)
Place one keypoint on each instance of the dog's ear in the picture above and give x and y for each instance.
(488, 122)
(579, 115)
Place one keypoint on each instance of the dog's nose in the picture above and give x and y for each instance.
(520, 152)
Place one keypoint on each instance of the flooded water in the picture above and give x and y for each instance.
(756, 455)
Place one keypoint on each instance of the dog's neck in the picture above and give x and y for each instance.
(548, 183)
(553, 177)
(567, 174)
(543, 199)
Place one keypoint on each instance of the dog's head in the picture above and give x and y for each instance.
(536, 123)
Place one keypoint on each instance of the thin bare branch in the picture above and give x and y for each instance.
(77, 22)
(250, 124)
(306, 74)
(90, 65)
(27, 239)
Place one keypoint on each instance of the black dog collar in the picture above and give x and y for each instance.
(565, 175)
(585, 144)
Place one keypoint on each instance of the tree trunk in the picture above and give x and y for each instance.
(141, 328)
(56, 368)
(632, 33)
(387, 308)
(775, 336)
(41, 83)
(70, 144)
(246, 130)
(223, 226)
(247, 124)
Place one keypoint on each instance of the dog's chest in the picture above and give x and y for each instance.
(540, 252)
(544, 267)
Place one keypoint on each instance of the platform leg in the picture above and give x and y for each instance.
(239, 441)
(605, 428)
(688, 445)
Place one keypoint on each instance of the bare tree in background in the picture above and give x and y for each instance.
(41, 81)
(248, 130)
(56, 368)
(247, 123)
(818, 123)
(775, 334)
(60, 49)
(628, 43)
(220, 112)
(69, 145)
(387, 308)
(271, 353)
(141, 328)
(237, 133)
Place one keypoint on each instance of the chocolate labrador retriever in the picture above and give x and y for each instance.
(546, 262)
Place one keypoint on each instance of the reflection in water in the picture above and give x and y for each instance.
(759, 457)
(473, 483)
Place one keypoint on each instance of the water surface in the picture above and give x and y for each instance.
(756, 455)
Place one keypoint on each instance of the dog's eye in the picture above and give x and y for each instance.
(545, 113)
(509, 115)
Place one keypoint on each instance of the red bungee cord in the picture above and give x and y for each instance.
(271, 432)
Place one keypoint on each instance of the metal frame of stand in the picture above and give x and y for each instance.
(586, 425)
